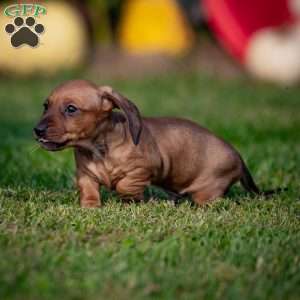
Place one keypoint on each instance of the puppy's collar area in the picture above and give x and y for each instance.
(95, 149)
(112, 133)
(101, 149)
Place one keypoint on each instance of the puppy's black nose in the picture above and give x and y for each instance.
(40, 130)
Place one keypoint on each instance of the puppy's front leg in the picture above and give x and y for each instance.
(89, 191)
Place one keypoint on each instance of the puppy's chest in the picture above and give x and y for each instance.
(109, 170)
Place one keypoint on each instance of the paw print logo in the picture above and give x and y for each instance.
(24, 33)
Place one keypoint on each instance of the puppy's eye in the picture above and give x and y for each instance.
(71, 109)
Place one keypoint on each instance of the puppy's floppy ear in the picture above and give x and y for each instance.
(112, 99)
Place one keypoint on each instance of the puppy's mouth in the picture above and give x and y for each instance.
(51, 145)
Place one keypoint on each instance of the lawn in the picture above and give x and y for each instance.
(237, 248)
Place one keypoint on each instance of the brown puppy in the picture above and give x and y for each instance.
(127, 153)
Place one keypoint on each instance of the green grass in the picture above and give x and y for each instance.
(237, 248)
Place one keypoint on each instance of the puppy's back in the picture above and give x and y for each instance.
(189, 151)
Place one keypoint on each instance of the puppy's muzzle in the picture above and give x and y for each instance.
(40, 132)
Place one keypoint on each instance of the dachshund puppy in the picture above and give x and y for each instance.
(127, 153)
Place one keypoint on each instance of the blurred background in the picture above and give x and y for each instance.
(121, 38)
(232, 66)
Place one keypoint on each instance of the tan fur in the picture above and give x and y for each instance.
(127, 153)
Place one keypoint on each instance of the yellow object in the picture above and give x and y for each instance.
(154, 26)
(63, 43)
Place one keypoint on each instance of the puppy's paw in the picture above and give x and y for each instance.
(90, 204)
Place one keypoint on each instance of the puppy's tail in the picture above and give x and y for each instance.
(248, 183)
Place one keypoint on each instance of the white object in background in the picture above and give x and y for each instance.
(274, 55)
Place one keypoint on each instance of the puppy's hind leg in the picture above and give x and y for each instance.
(205, 196)
(211, 190)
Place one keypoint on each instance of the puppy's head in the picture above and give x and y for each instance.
(75, 110)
